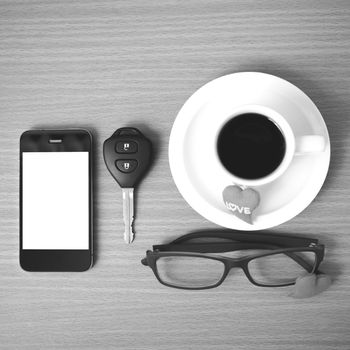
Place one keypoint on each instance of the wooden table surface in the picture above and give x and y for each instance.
(108, 64)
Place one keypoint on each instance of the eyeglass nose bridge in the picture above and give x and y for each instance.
(234, 263)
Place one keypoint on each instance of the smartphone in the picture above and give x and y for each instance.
(56, 181)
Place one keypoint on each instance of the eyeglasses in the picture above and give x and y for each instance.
(273, 260)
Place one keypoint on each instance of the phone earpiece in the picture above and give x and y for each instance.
(310, 284)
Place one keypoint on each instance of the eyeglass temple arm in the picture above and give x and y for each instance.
(295, 257)
(225, 247)
(211, 247)
(272, 238)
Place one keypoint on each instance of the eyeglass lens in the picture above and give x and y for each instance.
(189, 272)
(281, 268)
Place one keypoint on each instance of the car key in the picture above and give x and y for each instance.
(127, 154)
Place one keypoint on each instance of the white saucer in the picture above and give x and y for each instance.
(191, 156)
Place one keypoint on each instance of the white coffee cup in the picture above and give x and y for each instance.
(294, 145)
(201, 177)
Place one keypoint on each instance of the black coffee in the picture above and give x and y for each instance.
(251, 146)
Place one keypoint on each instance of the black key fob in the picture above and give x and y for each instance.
(127, 154)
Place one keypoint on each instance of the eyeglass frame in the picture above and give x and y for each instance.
(243, 241)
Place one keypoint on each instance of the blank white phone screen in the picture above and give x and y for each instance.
(55, 201)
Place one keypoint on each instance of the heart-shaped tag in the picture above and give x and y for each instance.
(241, 202)
(307, 285)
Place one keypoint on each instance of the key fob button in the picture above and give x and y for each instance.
(126, 147)
(126, 165)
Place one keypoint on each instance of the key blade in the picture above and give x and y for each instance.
(128, 214)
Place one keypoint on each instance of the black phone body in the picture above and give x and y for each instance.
(56, 204)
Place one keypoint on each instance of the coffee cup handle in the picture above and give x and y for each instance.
(310, 144)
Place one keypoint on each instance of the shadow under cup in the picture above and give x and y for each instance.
(251, 146)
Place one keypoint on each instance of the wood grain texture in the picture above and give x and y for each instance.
(107, 64)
